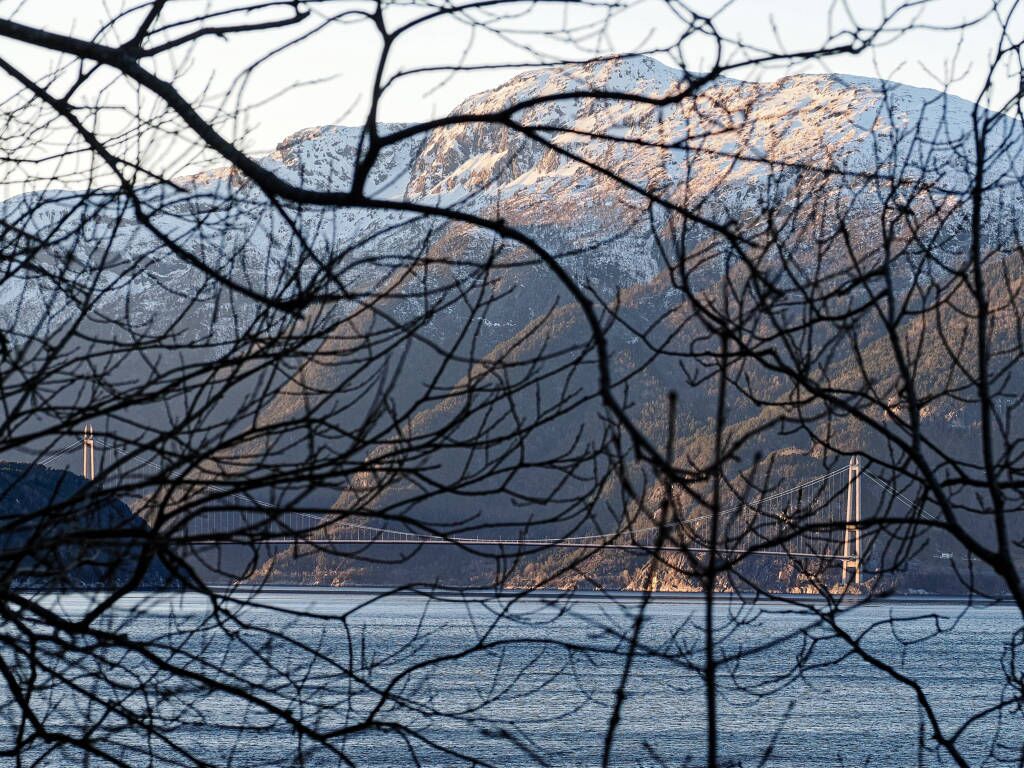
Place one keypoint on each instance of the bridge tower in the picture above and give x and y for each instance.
(851, 532)
(88, 454)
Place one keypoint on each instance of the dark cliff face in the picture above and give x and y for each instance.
(56, 532)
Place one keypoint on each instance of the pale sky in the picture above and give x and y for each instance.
(280, 97)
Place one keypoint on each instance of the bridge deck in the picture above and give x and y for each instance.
(525, 546)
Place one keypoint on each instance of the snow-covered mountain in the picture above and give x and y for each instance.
(139, 258)
(579, 175)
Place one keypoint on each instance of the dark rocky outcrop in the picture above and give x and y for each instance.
(58, 531)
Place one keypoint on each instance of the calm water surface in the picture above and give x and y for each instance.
(516, 683)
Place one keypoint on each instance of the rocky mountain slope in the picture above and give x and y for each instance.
(618, 188)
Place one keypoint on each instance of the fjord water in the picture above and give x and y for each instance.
(521, 681)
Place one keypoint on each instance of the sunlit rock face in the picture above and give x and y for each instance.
(588, 167)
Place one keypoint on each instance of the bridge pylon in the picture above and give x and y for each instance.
(88, 454)
(851, 532)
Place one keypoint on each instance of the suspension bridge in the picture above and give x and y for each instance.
(817, 519)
